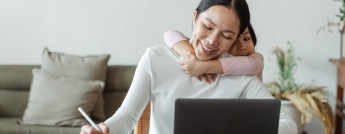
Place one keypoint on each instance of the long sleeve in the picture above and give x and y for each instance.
(247, 65)
(171, 37)
(126, 117)
(256, 90)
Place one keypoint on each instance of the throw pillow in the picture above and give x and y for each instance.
(54, 100)
(86, 68)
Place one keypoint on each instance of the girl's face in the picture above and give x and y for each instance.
(215, 30)
(244, 46)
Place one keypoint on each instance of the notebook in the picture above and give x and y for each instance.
(226, 116)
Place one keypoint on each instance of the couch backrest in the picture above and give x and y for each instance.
(119, 79)
(15, 81)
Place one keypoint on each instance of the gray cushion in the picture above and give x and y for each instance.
(54, 100)
(93, 67)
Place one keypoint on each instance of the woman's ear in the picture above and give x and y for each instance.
(195, 17)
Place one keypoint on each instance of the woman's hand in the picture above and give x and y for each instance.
(208, 78)
(87, 129)
(192, 65)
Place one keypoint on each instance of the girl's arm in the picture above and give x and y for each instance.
(248, 65)
(195, 67)
(237, 65)
(178, 42)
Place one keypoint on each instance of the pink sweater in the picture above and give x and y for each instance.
(237, 65)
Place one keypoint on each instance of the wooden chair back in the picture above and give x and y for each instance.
(143, 126)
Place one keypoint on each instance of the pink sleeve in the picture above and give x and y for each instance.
(247, 65)
(171, 37)
(259, 76)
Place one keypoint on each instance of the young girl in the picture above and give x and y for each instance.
(245, 61)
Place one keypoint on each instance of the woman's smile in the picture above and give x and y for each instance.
(206, 49)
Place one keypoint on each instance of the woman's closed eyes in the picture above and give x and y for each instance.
(209, 28)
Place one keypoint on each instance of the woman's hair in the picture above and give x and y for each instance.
(252, 33)
(239, 6)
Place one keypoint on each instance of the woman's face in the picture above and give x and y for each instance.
(215, 30)
(244, 46)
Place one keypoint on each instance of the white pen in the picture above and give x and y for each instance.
(88, 118)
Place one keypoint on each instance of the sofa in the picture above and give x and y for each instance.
(15, 81)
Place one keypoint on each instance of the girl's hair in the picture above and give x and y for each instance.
(239, 6)
(252, 33)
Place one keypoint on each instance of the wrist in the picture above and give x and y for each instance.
(206, 68)
(212, 66)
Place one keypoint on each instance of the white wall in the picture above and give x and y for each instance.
(125, 28)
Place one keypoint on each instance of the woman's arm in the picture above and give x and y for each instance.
(126, 117)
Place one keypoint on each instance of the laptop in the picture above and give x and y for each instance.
(226, 116)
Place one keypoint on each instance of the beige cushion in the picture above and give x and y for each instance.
(86, 68)
(54, 100)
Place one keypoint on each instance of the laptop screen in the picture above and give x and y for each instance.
(226, 116)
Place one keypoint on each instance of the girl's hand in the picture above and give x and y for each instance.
(192, 65)
(207, 77)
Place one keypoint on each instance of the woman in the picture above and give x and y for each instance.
(159, 79)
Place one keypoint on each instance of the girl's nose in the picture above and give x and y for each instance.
(242, 48)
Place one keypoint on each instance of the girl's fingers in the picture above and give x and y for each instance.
(183, 68)
(182, 62)
(185, 71)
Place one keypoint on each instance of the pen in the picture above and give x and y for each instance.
(88, 118)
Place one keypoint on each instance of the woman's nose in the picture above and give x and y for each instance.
(212, 39)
